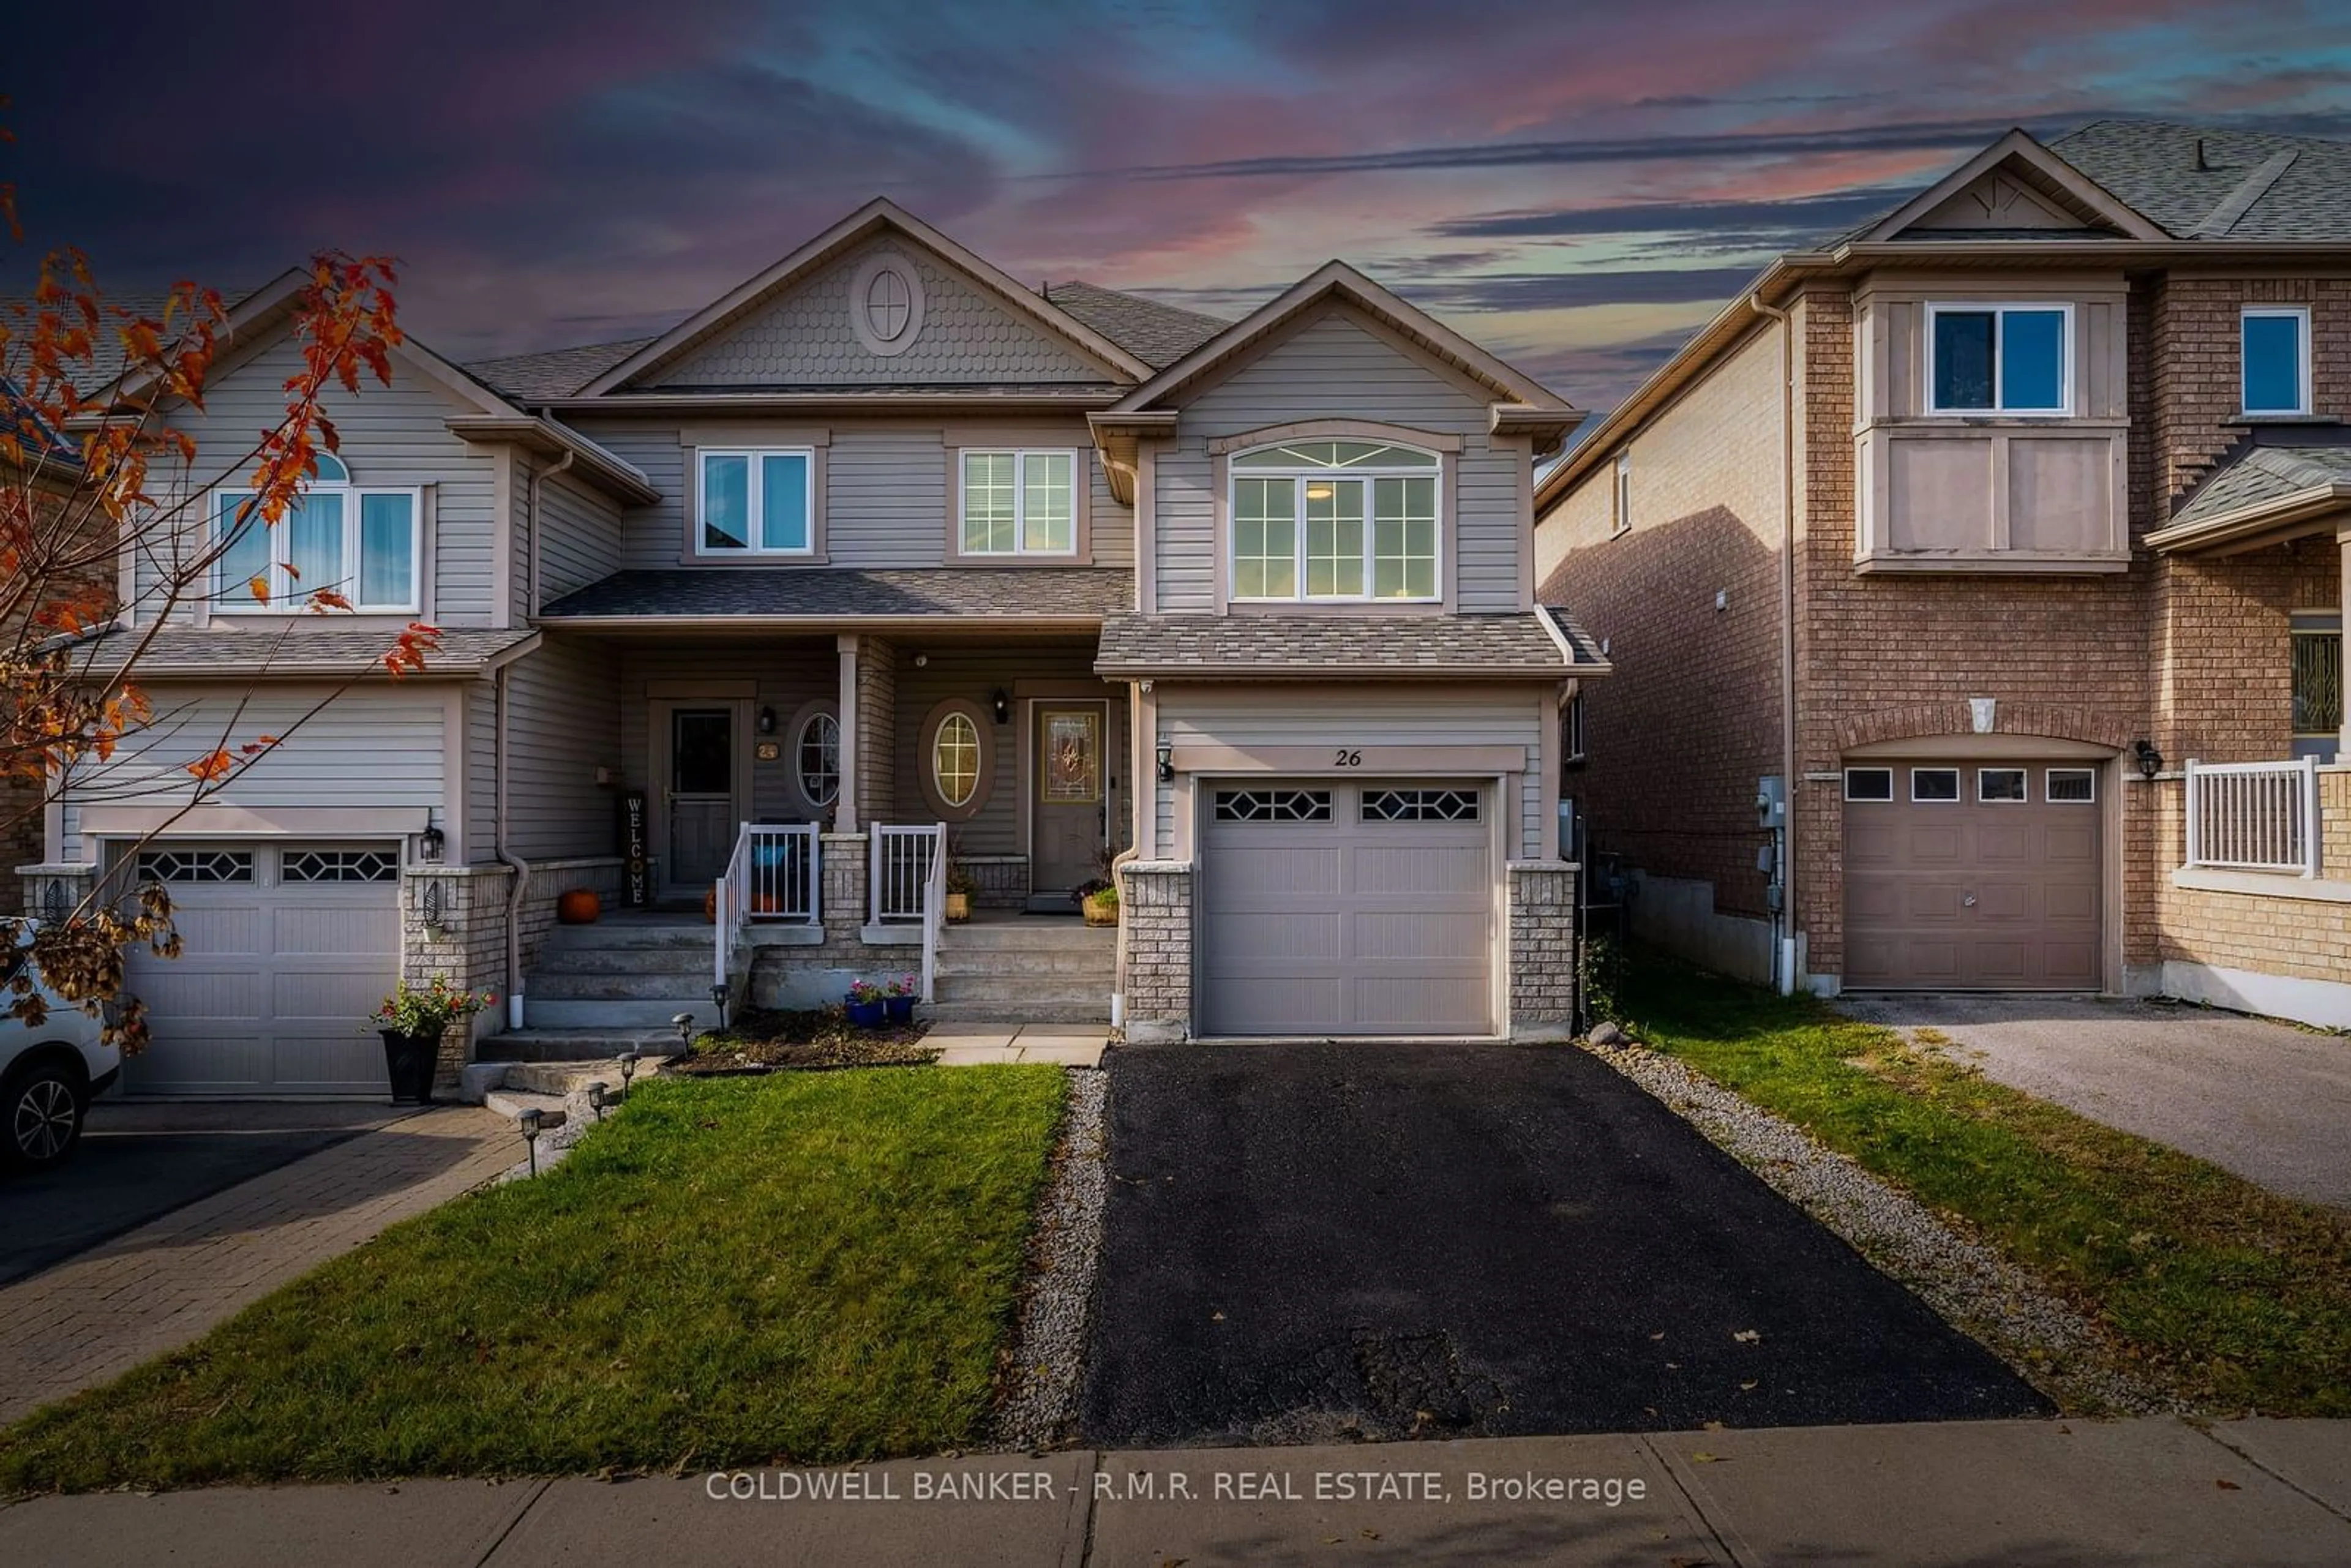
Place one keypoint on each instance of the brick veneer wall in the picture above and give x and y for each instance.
(1543, 950)
(2274, 933)
(877, 730)
(1156, 904)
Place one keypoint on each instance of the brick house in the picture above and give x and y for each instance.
(1999, 538)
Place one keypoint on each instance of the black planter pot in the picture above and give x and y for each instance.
(409, 1060)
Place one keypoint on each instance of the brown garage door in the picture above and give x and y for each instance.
(1972, 876)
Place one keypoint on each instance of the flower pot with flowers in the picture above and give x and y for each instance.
(412, 1021)
(898, 998)
(865, 1004)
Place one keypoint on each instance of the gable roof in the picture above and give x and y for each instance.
(2263, 493)
(1157, 334)
(1335, 281)
(2201, 183)
(877, 216)
(556, 372)
(2034, 166)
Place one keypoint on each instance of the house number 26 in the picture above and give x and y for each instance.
(1346, 759)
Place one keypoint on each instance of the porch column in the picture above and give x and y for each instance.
(844, 811)
(877, 730)
(2343, 601)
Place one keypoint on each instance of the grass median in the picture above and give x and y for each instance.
(2223, 1294)
(813, 1266)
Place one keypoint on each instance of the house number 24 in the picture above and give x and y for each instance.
(1346, 759)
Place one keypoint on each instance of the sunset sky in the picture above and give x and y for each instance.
(1575, 185)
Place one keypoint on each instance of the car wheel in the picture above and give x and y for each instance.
(44, 1112)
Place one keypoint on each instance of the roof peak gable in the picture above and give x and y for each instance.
(2043, 182)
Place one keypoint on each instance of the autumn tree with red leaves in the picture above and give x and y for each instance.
(90, 470)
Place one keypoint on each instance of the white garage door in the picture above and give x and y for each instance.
(285, 950)
(1346, 909)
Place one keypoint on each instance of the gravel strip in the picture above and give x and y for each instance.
(1041, 1403)
(2002, 1306)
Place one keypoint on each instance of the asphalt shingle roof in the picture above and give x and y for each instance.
(1157, 334)
(2261, 473)
(820, 592)
(1277, 644)
(558, 372)
(2153, 166)
(306, 646)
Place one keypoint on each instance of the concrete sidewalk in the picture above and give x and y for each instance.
(2155, 1491)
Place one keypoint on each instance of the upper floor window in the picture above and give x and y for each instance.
(1334, 520)
(2273, 342)
(1620, 499)
(2000, 359)
(353, 539)
(760, 502)
(1018, 503)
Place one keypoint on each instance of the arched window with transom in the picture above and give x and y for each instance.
(1335, 521)
(357, 541)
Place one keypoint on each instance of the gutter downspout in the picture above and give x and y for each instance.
(1784, 959)
(520, 867)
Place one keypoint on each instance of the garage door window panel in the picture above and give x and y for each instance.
(1869, 783)
(339, 866)
(195, 866)
(2003, 786)
(2072, 786)
(1273, 805)
(1938, 785)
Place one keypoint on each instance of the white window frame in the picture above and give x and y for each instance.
(799, 736)
(1079, 479)
(1884, 799)
(754, 493)
(1620, 495)
(289, 595)
(2000, 311)
(1235, 474)
(2301, 315)
(1571, 727)
(2024, 773)
(1957, 793)
(2050, 797)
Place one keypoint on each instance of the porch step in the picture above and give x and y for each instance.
(1040, 936)
(641, 934)
(681, 961)
(613, 1013)
(556, 1045)
(1026, 961)
(619, 986)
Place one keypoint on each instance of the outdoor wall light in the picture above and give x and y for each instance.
(1002, 704)
(597, 1096)
(1166, 762)
(2150, 760)
(431, 842)
(767, 721)
(530, 1120)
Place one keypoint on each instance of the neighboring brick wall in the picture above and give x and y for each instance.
(1156, 904)
(1543, 950)
(1676, 738)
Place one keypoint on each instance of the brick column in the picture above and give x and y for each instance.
(877, 730)
(452, 922)
(1156, 904)
(49, 891)
(843, 909)
(1543, 950)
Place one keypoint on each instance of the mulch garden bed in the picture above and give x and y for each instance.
(761, 1040)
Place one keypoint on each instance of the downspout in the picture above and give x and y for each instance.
(1785, 956)
(520, 866)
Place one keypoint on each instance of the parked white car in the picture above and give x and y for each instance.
(49, 1076)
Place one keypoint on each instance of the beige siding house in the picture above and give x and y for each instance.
(880, 576)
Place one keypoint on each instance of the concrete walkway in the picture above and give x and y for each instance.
(2265, 1100)
(2150, 1492)
(981, 1045)
(153, 1289)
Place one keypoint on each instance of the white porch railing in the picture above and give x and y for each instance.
(772, 875)
(2254, 816)
(901, 869)
(935, 913)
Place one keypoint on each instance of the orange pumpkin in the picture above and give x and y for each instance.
(578, 906)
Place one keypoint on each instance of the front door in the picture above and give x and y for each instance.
(1067, 828)
(701, 798)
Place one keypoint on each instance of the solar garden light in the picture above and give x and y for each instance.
(597, 1094)
(684, 1022)
(718, 996)
(629, 1066)
(529, 1119)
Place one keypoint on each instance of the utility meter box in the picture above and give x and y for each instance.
(1771, 801)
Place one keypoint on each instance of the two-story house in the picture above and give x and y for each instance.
(1978, 581)
(881, 569)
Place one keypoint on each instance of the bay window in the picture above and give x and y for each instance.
(2000, 359)
(1334, 520)
(756, 502)
(357, 540)
(1018, 503)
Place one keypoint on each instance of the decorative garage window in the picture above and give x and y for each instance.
(2001, 786)
(1934, 783)
(1869, 783)
(340, 865)
(2073, 784)
(195, 866)
(1420, 806)
(1273, 805)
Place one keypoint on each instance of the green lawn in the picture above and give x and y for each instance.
(2221, 1293)
(807, 1266)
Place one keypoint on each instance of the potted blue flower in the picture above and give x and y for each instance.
(412, 1021)
(899, 995)
(865, 1004)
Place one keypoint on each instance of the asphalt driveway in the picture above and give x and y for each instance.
(1309, 1243)
(138, 1161)
(2271, 1102)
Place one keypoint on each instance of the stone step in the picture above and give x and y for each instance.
(618, 987)
(1021, 961)
(625, 933)
(575, 1013)
(1011, 988)
(1030, 936)
(625, 961)
(954, 1012)
(512, 1103)
(575, 1045)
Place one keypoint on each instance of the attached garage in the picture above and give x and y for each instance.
(1974, 875)
(285, 950)
(1347, 909)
